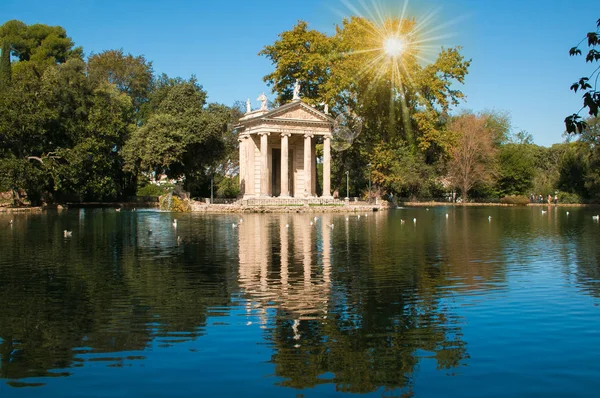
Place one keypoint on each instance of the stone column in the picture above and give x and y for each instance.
(307, 165)
(327, 166)
(244, 167)
(243, 177)
(285, 188)
(249, 147)
(264, 164)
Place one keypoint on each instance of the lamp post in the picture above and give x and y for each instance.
(347, 185)
(212, 177)
(369, 166)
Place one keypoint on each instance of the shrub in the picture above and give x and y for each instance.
(518, 200)
(174, 203)
(151, 190)
(569, 198)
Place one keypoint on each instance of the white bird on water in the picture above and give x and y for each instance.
(10, 222)
(118, 209)
(347, 218)
(544, 212)
(489, 218)
(67, 234)
(234, 225)
(597, 218)
(175, 223)
(446, 215)
(401, 221)
(414, 220)
(567, 213)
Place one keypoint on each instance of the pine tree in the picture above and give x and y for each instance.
(5, 68)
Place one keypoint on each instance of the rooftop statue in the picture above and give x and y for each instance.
(296, 90)
(248, 106)
(263, 102)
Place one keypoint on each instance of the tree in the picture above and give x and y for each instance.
(591, 94)
(131, 75)
(516, 168)
(5, 66)
(400, 101)
(301, 54)
(182, 136)
(573, 169)
(473, 156)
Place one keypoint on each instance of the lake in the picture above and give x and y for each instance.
(453, 304)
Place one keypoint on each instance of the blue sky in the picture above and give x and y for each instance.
(519, 48)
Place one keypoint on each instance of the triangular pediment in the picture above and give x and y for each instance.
(298, 110)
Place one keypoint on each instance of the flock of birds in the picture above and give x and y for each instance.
(68, 234)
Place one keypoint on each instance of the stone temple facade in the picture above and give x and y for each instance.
(277, 151)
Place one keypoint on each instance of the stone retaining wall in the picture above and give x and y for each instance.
(200, 207)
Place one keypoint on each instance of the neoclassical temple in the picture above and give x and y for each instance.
(277, 150)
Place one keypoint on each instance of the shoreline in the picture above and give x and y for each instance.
(231, 208)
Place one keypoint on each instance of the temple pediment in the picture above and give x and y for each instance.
(298, 110)
(295, 113)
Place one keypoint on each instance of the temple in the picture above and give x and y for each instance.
(277, 150)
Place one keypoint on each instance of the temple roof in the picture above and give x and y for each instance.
(293, 114)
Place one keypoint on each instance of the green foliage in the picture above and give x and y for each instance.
(516, 168)
(131, 75)
(5, 66)
(402, 170)
(591, 94)
(151, 190)
(343, 71)
(182, 136)
(77, 130)
(228, 187)
(569, 198)
(301, 54)
(518, 200)
(573, 169)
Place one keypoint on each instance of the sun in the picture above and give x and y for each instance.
(393, 46)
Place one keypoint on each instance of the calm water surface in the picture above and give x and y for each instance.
(461, 306)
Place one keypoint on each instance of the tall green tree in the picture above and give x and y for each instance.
(399, 100)
(182, 136)
(5, 66)
(130, 74)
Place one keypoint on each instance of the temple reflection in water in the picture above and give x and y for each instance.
(285, 260)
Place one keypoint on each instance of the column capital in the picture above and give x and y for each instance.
(267, 133)
(286, 134)
(308, 135)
